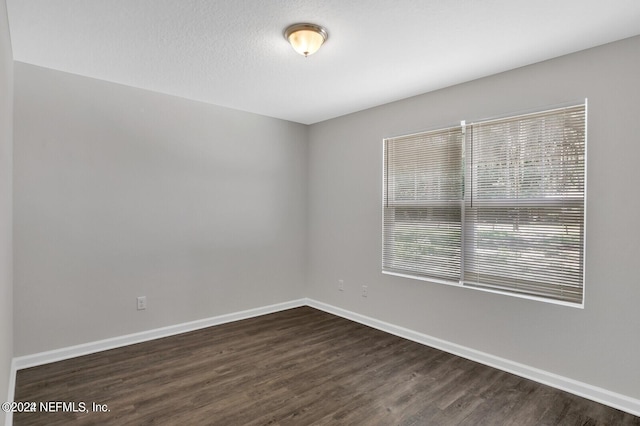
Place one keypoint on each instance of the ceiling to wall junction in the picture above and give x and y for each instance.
(233, 53)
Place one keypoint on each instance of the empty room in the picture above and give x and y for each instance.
(414, 212)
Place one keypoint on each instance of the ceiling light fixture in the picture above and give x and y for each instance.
(306, 39)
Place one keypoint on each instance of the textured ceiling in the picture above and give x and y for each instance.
(232, 52)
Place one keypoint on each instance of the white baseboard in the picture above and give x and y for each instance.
(130, 339)
(594, 393)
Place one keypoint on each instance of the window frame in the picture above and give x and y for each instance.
(506, 203)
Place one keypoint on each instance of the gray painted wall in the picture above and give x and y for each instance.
(599, 344)
(121, 192)
(6, 196)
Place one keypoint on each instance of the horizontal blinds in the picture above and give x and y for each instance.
(524, 205)
(424, 169)
(423, 192)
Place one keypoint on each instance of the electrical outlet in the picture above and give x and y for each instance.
(365, 291)
(142, 303)
(341, 285)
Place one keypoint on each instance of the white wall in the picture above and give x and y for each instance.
(6, 196)
(598, 345)
(121, 192)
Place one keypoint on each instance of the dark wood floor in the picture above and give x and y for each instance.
(297, 367)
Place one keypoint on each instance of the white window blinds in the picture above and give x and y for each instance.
(506, 213)
(524, 210)
(422, 199)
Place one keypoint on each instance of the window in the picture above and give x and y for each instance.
(496, 205)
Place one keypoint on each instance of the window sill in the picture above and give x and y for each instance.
(487, 290)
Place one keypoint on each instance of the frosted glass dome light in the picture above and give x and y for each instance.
(306, 39)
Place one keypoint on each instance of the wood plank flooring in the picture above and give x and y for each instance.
(297, 367)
